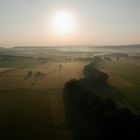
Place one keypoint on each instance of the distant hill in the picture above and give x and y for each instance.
(108, 46)
(129, 46)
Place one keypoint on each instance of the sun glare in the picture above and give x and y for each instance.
(63, 23)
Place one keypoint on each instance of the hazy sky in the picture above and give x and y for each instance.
(97, 22)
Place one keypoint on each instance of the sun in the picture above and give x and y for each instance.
(63, 23)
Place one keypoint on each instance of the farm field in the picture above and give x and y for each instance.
(125, 76)
(35, 105)
(32, 83)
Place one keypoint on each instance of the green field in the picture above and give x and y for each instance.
(125, 76)
(31, 85)
(35, 105)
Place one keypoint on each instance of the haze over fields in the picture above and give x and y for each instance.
(69, 69)
(32, 80)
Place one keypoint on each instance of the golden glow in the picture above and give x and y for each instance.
(63, 23)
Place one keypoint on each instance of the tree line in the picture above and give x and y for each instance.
(92, 117)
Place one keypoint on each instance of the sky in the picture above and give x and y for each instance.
(97, 22)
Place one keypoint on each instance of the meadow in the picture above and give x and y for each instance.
(33, 104)
(32, 81)
(125, 75)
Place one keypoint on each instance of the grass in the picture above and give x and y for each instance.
(25, 115)
(27, 105)
(38, 111)
(125, 76)
(133, 96)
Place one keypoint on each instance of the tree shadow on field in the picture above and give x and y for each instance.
(96, 110)
(111, 92)
(28, 76)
